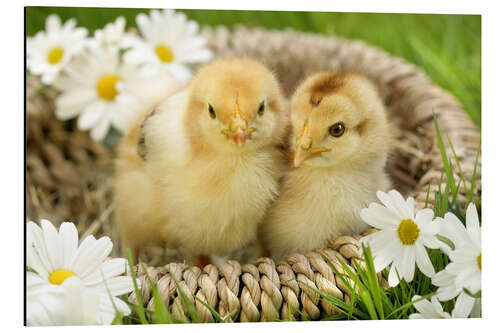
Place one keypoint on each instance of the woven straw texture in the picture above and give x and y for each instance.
(69, 176)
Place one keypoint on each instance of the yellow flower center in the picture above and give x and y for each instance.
(106, 86)
(164, 53)
(479, 261)
(408, 232)
(55, 55)
(59, 275)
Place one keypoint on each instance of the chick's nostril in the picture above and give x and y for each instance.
(238, 123)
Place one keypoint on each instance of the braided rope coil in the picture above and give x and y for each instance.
(262, 291)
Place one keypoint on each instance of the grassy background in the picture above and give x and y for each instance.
(447, 47)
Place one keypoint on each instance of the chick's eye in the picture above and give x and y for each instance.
(211, 111)
(261, 109)
(337, 129)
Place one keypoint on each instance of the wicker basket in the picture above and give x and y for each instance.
(69, 175)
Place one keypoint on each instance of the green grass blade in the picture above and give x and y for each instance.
(339, 316)
(189, 305)
(474, 173)
(229, 315)
(446, 164)
(341, 305)
(460, 171)
(181, 312)
(367, 301)
(140, 307)
(374, 287)
(304, 316)
(162, 315)
(427, 196)
(211, 309)
(409, 304)
(446, 240)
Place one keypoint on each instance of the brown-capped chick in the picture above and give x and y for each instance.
(341, 139)
(210, 163)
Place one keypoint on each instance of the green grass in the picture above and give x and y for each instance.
(447, 47)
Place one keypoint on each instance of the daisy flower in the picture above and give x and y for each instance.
(464, 269)
(170, 43)
(428, 310)
(69, 305)
(112, 36)
(96, 88)
(402, 237)
(56, 256)
(49, 51)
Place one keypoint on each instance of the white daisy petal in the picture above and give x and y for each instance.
(408, 263)
(71, 103)
(424, 217)
(410, 205)
(53, 23)
(51, 240)
(68, 242)
(464, 277)
(98, 133)
(464, 269)
(38, 258)
(472, 222)
(108, 313)
(379, 216)
(110, 268)
(119, 285)
(430, 241)
(181, 72)
(463, 306)
(385, 257)
(400, 204)
(379, 240)
(442, 278)
(393, 277)
(91, 115)
(90, 255)
(423, 261)
(422, 306)
(38, 285)
(416, 316)
(447, 289)
(453, 229)
(428, 310)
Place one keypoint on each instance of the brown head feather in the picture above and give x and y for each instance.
(324, 86)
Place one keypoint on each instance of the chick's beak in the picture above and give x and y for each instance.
(238, 130)
(303, 150)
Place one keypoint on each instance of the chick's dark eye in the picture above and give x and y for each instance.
(211, 111)
(337, 129)
(261, 109)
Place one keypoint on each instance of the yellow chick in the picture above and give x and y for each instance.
(341, 137)
(201, 170)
